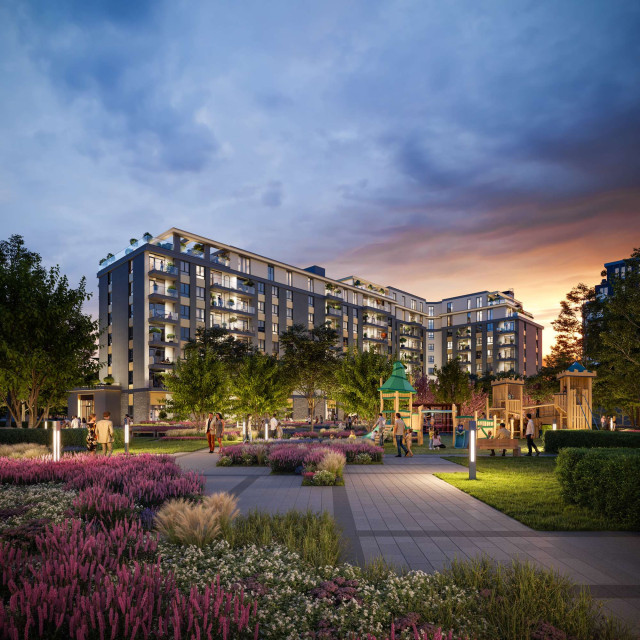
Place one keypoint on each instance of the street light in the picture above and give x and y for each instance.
(472, 449)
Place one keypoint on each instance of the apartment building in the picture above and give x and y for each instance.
(155, 294)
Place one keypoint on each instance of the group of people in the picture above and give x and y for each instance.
(608, 422)
(214, 428)
(100, 433)
(402, 435)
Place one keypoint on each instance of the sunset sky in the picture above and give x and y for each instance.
(441, 147)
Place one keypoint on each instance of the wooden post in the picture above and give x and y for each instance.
(454, 412)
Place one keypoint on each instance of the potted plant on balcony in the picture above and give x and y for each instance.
(365, 317)
(198, 247)
(402, 340)
(232, 320)
(171, 288)
(248, 282)
(102, 261)
(155, 330)
(356, 283)
(231, 303)
(146, 236)
(171, 337)
(133, 241)
(109, 380)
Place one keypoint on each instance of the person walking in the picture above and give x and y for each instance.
(398, 431)
(92, 441)
(380, 425)
(104, 433)
(219, 424)
(531, 430)
(209, 429)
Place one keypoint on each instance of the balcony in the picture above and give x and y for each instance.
(465, 347)
(136, 244)
(161, 339)
(220, 259)
(156, 384)
(241, 329)
(227, 305)
(507, 329)
(409, 347)
(228, 283)
(332, 311)
(163, 316)
(333, 293)
(376, 339)
(160, 360)
(506, 356)
(160, 291)
(373, 321)
(159, 266)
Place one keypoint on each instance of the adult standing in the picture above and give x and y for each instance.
(104, 433)
(612, 423)
(380, 425)
(398, 431)
(219, 424)
(531, 429)
(273, 426)
(209, 429)
(75, 423)
(92, 441)
(603, 422)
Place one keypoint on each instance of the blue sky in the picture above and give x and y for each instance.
(442, 147)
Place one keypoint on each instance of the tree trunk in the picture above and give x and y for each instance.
(311, 402)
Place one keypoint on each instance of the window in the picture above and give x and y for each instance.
(185, 311)
(404, 301)
(185, 267)
(274, 328)
(261, 327)
(130, 287)
(421, 308)
(290, 278)
(261, 345)
(479, 301)
(130, 333)
(490, 326)
(130, 266)
(200, 293)
(431, 346)
(310, 319)
(478, 316)
(261, 287)
(431, 359)
(489, 314)
(355, 312)
(468, 317)
(450, 344)
(109, 359)
(199, 271)
(110, 338)
(271, 272)
(109, 277)
(261, 306)
(275, 310)
(244, 265)
(489, 339)
(185, 333)
(449, 307)
(345, 325)
(109, 298)
(468, 304)
(449, 321)
(489, 353)
(130, 377)
(478, 355)
(430, 371)
(310, 301)
(414, 305)
(430, 335)
(509, 312)
(185, 289)
(289, 313)
(130, 355)
(429, 310)
(289, 294)
(394, 296)
(309, 284)
(276, 348)
(430, 324)
(131, 311)
(275, 292)
(200, 315)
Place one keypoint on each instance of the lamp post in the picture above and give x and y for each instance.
(472, 449)
(126, 435)
(56, 440)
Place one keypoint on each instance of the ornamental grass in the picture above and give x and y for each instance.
(334, 462)
(23, 450)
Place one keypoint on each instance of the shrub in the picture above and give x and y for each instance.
(324, 478)
(606, 481)
(23, 450)
(362, 458)
(333, 461)
(97, 503)
(68, 437)
(556, 440)
(224, 461)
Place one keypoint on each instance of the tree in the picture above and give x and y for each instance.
(477, 401)
(358, 379)
(261, 386)
(453, 383)
(613, 342)
(46, 342)
(569, 328)
(311, 360)
(425, 390)
(541, 386)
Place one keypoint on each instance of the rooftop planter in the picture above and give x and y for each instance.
(109, 380)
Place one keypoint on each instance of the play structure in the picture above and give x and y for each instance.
(569, 409)
(396, 396)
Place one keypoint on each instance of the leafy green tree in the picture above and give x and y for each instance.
(541, 386)
(46, 342)
(358, 379)
(261, 386)
(425, 390)
(452, 383)
(613, 342)
(569, 326)
(311, 359)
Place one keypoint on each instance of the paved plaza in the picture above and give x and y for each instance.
(402, 512)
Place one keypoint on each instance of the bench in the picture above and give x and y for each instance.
(499, 443)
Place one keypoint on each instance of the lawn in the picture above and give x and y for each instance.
(151, 445)
(525, 489)
(446, 438)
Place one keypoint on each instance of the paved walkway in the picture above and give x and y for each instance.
(402, 512)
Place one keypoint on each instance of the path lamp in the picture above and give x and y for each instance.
(266, 431)
(555, 426)
(472, 450)
(126, 436)
(55, 424)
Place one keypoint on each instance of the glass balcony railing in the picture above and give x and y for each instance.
(218, 259)
(159, 337)
(156, 314)
(162, 266)
(332, 311)
(160, 360)
(228, 282)
(227, 305)
(156, 384)
(161, 290)
(374, 321)
(146, 240)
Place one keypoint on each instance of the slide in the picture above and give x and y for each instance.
(461, 440)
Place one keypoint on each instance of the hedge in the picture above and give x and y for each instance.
(69, 437)
(607, 481)
(556, 440)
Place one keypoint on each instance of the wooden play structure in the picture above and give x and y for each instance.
(570, 407)
(396, 396)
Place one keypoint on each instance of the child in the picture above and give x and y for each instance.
(432, 433)
(437, 444)
(408, 439)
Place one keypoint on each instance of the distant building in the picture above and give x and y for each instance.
(155, 294)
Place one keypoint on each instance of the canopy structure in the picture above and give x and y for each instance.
(397, 390)
(397, 380)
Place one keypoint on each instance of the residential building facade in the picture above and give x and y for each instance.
(154, 295)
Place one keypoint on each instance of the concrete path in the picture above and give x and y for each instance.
(402, 512)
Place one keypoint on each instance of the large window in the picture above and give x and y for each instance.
(271, 272)
(275, 310)
(310, 301)
(275, 292)
(430, 323)
(185, 289)
(185, 266)
(261, 287)
(185, 333)
(429, 310)
(244, 265)
(200, 293)
(185, 311)
(275, 329)
(449, 307)
(290, 278)
(199, 271)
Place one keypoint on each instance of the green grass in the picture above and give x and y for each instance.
(526, 489)
(149, 445)
(447, 440)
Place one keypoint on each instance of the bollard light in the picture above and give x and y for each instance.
(126, 436)
(56, 440)
(472, 450)
(244, 431)
(266, 431)
(555, 426)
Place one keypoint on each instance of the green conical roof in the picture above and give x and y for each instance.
(576, 367)
(398, 380)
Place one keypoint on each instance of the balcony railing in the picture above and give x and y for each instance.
(226, 306)
(507, 329)
(220, 260)
(154, 314)
(160, 360)
(409, 347)
(156, 384)
(332, 311)
(374, 321)
(163, 267)
(374, 338)
(228, 283)
(157, 242)
(158, 337)
(506, 356)
(160, 290)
